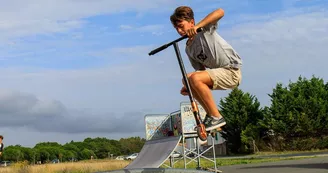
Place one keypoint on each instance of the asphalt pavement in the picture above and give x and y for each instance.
(318, 153)
(310, 165)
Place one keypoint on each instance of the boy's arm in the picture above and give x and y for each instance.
(211, 18)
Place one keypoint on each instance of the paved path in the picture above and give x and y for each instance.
(312, 165)
(320, 153)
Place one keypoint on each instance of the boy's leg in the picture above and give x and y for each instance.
(201, 83)
(195, 94)
(217, 79)
(199, 99)
(201, 102)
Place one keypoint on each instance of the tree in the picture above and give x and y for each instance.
(131, 145)
(11, 153)
(242, 114)
(86, 154)
(44, 155)
(300, 109)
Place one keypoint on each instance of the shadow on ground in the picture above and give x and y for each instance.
(309, 166)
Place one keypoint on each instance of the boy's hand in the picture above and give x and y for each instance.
(184, 91)
(192, 31)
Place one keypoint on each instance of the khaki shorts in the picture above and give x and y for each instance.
(225, 78)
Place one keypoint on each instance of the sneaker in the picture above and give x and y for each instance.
(212, 123)
(206, 120)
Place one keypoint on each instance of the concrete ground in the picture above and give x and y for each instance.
(311, 165)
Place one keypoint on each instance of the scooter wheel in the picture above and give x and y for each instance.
(201, 132)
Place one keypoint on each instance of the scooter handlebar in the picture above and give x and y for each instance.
(169, 44)
(153, 52)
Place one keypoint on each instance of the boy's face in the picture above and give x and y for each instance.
(183, 26)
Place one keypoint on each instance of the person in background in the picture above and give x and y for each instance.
(1, 145)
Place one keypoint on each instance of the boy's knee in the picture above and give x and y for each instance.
(190, 74)
(194, 78)
(188, 77)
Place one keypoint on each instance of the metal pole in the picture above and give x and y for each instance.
(214, 154)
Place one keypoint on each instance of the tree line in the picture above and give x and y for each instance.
(297, 119)
(97, 148)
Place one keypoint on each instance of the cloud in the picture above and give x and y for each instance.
(154, 29)
(46, 17)
(11, 29)
(136, 51)
(146, 28)
(286, 37)
(110, 100)
(26, 110)
(37, 17)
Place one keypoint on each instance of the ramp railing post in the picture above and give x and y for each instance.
(214, 154)
(198, 160)
(184, 151)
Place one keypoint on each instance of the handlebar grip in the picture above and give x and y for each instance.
(158, 49)
(200, 30)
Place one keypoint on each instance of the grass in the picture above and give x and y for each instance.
(69, 167)
(234, 161)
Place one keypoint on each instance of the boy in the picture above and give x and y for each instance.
(1, 145)
(217, 65)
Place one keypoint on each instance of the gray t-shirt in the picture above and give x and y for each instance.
(210, 50)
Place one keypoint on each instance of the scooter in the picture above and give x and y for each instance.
(201, 130)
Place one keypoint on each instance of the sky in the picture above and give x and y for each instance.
(72, 69)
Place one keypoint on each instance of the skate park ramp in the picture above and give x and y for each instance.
(156, 170)
(155, 152)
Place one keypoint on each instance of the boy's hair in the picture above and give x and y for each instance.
(182, 13)
(1, 136)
